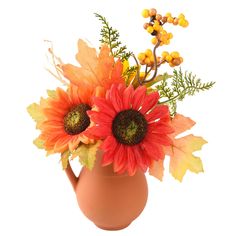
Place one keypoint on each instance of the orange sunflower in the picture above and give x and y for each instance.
(133, 126)
(64, 116)
(65, 119)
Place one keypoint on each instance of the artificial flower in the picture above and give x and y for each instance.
(133, 127)
(114, 105)
(65, 119)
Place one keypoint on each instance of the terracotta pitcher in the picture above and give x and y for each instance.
(110, 200)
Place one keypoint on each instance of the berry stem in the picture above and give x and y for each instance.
(156, 65)
(146, 73)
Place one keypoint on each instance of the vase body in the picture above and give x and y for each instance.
(110, 200)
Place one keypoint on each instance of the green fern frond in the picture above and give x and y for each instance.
(110, 36)
(182, 84)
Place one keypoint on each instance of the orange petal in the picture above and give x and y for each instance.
(62, 144)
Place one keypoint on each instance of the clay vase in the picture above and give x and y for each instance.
(109, 200)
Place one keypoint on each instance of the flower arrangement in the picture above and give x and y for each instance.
(118, 115)
(129, 112)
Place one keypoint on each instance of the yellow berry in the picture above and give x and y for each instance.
(164, 54)
(164, 38)
(176, 61)
(152, 59)
(168, 58)
(170, 19)
(141, 56)
(181, 59)
(168, 14)
(156, 26)
(170, 35)
(150, 29)
(154, 40)
(164, 19)
(164, 32)
(147, 61)
(161, 44)
(148, 52)
(142, 62)
(145, 25)
(185, 24)
(167, 42)
(181, 16)
(176, 21)
(171, 64)
(182, 22)
(152, 12)
(145, 13)
(175, 54)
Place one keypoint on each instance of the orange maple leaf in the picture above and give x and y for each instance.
(97, 71)
(181, 151)
(157, 169)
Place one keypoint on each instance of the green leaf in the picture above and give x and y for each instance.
(39, 143)
(51, 93)
(87, 154)
(35, 112)
(65, 159)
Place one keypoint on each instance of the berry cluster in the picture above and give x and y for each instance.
(155, 25)
(174, 59)
(146, 58)
(149, 58)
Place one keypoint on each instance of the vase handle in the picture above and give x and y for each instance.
(71, 176)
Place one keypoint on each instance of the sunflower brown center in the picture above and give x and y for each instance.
(129, 127)
(77, 120)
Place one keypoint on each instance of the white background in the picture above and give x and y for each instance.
(35, 195)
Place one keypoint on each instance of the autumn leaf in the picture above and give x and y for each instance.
(86, 56)
(181, 152)
(181, 124)
(157, 169)
(65, 159)
(39, 143)
(51, 93)
(35, 112)
(95, 70)
(87, 154)
(88, 61)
